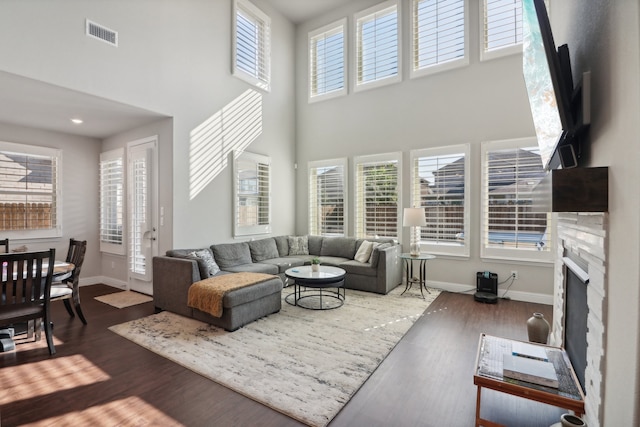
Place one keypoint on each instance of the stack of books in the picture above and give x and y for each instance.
(529, 363)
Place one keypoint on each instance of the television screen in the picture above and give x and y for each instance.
(549, 93)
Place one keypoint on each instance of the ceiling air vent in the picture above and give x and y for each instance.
(101, 33)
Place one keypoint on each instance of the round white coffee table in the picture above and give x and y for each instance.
(316, 294)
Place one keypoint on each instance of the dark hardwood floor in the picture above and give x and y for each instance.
(99, 378)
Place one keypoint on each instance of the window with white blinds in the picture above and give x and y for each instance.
(439, 184)
(501, 28)
(511, 227)
(327, 197)
(377, 46)
(327, 55)
(30, 195)
(438, 35)
(252, 44)
(377, 195)
(112, 201)
(252, 183)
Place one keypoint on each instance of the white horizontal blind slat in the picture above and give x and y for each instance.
(252, 42)
(377, 199)
(377, 45)
(326, 200)
(502, 23)
(326, 54)
(438, 32)
(111, 200)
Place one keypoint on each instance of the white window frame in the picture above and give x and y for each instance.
(323, 33)
(359, 193)
(440, 66)
(504, 253)
(443, 247)
(342, 166)
(364, 15)
(256, 161)
(56, 156)
(111, 182)
(261, 78)
(498, 52)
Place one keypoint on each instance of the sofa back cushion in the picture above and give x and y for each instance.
(375, 253)
(231, 254)
(282, 243)
(263, 249)
(315, 245)
(344, 247)
(204, 257)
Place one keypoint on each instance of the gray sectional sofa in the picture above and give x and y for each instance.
(174, 272)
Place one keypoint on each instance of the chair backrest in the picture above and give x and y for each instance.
(5, 243)
(75, 255)
(23, 280)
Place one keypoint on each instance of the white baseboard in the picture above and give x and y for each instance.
(110, 281)
(514, 295)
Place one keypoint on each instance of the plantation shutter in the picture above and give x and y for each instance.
(252, 49)
(502, 23)
(377, 45)
(28, 190)
(438, 32)
(510, 222)
(326, 55)
(377, 206)
(439, 187)
(253, 194)
(327, 199)
(112, 201)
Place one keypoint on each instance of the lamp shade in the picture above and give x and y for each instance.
(414, 217)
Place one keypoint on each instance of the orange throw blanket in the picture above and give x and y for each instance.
(207, 295)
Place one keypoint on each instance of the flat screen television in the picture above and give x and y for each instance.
(547, 74)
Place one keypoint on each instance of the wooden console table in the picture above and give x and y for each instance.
(488, 374)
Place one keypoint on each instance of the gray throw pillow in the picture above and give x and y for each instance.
(298, 245)
(206, 264)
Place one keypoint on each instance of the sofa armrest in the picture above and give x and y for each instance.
(389, 269)
(171, 280)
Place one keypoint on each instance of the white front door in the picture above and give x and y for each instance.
(143, 219)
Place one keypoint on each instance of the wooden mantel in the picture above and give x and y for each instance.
(573, 190)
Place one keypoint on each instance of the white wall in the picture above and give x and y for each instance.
(482, 101)
(79, 191)
(174, 57)
(604, 37)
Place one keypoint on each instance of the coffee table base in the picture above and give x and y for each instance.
(314, 298)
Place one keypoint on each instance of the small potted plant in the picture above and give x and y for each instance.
(315, 264)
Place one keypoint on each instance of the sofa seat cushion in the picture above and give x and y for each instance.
(254, 267)
(263, 249)
(361, 268)
(231, 254)
(343, 247)
(251, 293)
(285, 262)
(334, 261)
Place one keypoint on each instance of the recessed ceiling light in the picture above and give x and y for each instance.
(76, 121)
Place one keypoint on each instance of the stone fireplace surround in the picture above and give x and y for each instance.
(585, 235)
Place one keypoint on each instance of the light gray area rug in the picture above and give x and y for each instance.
(124, 299)
(306, 364)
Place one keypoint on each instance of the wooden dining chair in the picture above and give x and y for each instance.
(26, 289)
(4, 243)
(68, 289)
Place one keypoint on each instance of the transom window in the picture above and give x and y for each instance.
(377, 195)
(327, 197)
(501, 28)
(511, 227)
(439, 185)
(30, 193)
(377, 51)
(438, 35)
(252, 44)
(327, 61)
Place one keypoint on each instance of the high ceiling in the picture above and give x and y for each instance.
(298, 11)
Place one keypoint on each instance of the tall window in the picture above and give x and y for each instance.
(327, 197)
(377, 195)
(252, 44)
(377, 51)
(327, 61)
(112, 201)
(253, 194)
(438, 35)
(30, 193)
(439, 184)
(501, 28)
(511, 228)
